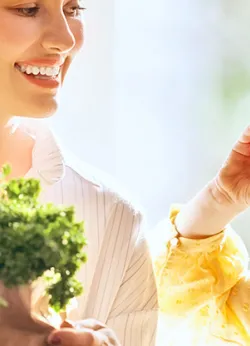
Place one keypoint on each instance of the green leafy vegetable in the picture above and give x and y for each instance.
(39, 240)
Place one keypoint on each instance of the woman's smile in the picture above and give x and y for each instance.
(45, 73)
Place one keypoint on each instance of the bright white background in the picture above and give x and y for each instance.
(144, 100)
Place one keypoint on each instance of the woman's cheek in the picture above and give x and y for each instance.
(17, 34)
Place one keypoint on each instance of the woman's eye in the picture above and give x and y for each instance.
(28, 11)
(74, 11)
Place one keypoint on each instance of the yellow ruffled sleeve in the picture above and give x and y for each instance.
(205, 283)
(190, 273)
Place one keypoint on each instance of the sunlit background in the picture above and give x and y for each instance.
(159, 94)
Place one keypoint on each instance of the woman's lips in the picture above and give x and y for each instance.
(38, 75)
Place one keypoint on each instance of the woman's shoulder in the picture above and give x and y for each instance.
(99, 182)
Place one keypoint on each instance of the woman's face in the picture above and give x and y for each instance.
(38, 40)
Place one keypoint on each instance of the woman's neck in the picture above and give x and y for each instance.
(16, 149)
(6, 141)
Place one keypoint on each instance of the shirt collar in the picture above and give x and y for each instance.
(50, 158)
(48, 162)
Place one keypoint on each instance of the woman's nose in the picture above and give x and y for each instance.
(57, 36)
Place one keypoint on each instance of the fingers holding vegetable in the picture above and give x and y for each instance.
(83, 337)
(83, 333)
(16, 337)
(72, 337)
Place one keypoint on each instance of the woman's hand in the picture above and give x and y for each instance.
(226, 196)
(11, 337)
(18, 326)
(233, 180)
(84, 333)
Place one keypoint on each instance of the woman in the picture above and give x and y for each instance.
(202, 275)
(38, 41)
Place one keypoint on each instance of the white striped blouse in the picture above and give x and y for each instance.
(118, 279)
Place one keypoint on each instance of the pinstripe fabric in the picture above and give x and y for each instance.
(118, 277)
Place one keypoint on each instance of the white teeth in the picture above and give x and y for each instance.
(49, 71)
(23, 68)
(44, 71)
(35, 70)
(56, 70)
(29, 70)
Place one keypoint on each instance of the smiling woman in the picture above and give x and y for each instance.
(39, 41)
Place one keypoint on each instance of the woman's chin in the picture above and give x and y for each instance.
(43, 109)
